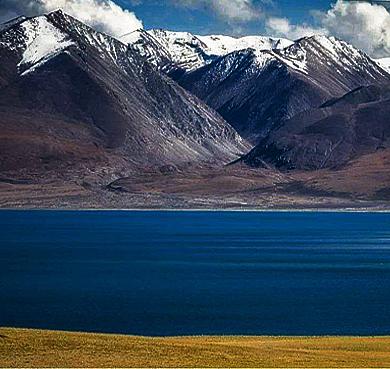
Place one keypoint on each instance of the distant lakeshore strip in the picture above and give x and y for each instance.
(349, 210)
(247, 210)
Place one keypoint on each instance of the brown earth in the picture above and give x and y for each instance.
(362, 185)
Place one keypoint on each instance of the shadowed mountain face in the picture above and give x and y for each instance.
(341, 130)
(258, 90)
(69, 94)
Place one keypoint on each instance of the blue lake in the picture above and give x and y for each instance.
(190, 273)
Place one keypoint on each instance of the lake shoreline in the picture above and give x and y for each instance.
(187, 336)
(216, 209)
(74, 197)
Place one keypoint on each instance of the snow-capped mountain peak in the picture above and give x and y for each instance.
(148, 47)
(170, 50)
(222, 45)
(314, 54)
(43, 40)
(186, 51)
(36, 39)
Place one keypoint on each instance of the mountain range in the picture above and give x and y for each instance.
(170, 119)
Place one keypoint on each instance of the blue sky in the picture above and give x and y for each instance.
(365, 24)
(167, 14)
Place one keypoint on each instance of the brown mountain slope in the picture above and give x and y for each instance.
(257, 90)
(90, 99)
(341, 130)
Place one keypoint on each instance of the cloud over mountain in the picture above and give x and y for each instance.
(282, 27)
(363, 24)
(103, 15)
(230, 10)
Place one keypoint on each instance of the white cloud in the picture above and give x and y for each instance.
(362, 24)
(103, 15)
(230, 10)
(282, 27)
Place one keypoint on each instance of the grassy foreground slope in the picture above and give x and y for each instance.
(35, 348)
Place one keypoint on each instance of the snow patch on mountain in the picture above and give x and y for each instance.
(295, 58)
(384, 63)
(171, 50)
(222, 45)
(190, 52)
(335, 47)
(134, 37)
(311, 54)
(184, 49)
(43, 41)
(109, 48)
(262, 59)
(35, 39)
(148, 47)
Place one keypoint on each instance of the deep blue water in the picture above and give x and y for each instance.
(185, 273)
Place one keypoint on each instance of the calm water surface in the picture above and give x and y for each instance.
(185, 273)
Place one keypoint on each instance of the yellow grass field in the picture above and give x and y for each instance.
(36, 348)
